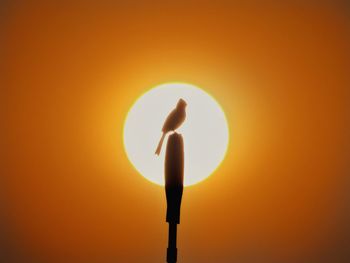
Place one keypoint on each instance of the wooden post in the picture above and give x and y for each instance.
(174, 175)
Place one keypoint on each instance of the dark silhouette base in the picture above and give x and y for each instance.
(174, 175)
(172, 250)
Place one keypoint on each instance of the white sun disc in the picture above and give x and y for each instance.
(205, 132)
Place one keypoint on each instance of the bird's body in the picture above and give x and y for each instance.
(174, 120)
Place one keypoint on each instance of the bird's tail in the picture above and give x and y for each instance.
(160, 144)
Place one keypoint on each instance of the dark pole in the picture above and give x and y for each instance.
(172, 250)
(174, 175)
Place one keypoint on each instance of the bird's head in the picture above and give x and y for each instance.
(181, 104)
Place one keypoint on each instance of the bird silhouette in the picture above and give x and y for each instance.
(173, 121)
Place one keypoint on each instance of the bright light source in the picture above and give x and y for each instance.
(205, 132)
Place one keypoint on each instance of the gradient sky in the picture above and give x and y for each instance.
(70, 72)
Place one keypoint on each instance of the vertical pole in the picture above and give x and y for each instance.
(172, 250)
(174, 174)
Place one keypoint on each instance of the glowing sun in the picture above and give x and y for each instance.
(205, 132)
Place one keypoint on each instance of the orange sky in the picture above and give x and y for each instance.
(71, 71)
